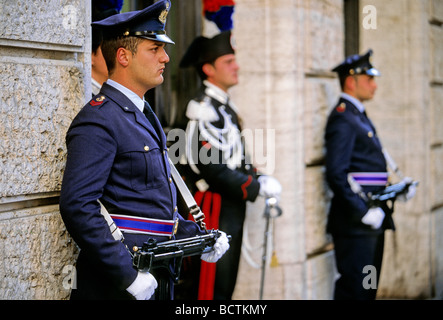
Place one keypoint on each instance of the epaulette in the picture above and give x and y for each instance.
(202, 111)
(98, 100)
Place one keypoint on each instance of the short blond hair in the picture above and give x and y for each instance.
(110, 47)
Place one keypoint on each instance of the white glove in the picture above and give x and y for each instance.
(269, 187)
(220, 247)
(143, 286)
(411, 190)
(374, 217)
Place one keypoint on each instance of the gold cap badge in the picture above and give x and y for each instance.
(164, 14)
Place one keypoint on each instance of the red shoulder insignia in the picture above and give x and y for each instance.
(341, 107)
(206, 144)
(97, 101)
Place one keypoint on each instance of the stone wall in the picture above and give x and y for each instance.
(285, 51)
(44, 60)
(286, 86)
(435, 84)
(407, 42)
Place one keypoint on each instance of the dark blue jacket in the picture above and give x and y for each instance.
(115, 155)
(352, 145)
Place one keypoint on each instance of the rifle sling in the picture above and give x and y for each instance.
(187, 196)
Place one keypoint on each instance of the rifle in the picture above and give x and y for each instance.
(389, 193)
(155, 255)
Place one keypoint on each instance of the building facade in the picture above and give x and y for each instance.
(285, 50)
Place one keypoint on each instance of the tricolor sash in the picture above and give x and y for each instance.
(157, 227)
(370, 178)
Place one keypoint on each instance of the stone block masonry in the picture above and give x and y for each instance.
(44, 80)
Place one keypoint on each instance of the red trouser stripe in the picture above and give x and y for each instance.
(210, 204)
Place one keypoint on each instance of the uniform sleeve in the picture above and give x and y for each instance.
(340, 139)
(91, 150)
(235, 183)
(188, 228)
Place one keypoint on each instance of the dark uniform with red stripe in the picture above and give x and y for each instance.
(116, 155)
(220, 178)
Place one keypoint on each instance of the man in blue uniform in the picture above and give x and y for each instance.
(117, 155)
(217, 168)
(355, 157)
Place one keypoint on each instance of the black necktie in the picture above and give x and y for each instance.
(147, 110)
(366, 118)
(374, 133)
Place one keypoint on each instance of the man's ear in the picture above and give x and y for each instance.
(123, 56)
(208, 69)
(93, 58)
(350, 83)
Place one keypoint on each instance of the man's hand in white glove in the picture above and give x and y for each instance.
(220, 247)
(374, 217)
(269, 187)
(411, 190)
(143, 286)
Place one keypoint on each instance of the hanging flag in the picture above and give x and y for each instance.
(220, 12)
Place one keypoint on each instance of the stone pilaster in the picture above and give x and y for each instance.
(285, 86)
(44, 80)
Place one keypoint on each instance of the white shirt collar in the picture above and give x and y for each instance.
(357, 103)
(95, 86)
(217, 93)
(131, 95)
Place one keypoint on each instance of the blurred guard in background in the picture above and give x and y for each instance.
(216, 167)
(100, 9)
(354, 153)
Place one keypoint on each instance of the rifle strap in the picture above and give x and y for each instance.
(187, 196)
(356, 188)
(116, 232)
(392, 164)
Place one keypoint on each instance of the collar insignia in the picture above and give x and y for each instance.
(97, 101)
(341, 108)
